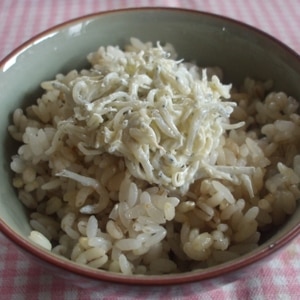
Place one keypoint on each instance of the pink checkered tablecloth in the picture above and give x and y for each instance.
(20, 278)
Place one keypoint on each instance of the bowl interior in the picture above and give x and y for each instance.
(207, 39)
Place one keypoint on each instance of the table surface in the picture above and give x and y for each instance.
(22, 19)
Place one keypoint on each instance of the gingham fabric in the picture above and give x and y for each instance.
(20, 278)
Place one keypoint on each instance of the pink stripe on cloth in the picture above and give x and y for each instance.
(20, 278)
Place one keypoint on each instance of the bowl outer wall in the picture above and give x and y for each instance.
(207, 39)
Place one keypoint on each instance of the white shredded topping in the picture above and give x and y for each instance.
(165, 117)
(84, 180)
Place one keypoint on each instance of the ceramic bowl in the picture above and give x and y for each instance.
(209, 40)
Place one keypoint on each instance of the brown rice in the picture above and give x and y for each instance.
(94, 211)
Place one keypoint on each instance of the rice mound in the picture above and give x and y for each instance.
(144, 164)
